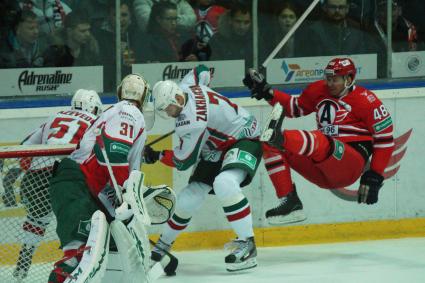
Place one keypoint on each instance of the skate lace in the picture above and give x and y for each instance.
(236, 246)
(283, 202)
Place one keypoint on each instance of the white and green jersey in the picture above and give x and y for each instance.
(208, 125)
(65, 127)
(122, 128)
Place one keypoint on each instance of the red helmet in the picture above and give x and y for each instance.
(341, 67)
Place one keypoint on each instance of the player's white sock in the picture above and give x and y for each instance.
(175, 225)
(235, 204)
(239, 216)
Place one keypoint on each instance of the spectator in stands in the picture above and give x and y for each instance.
(185, 14)
(97, 10)
(162, 41)
(130, 41)
(23, 46)
(51, 13)
(336, 34)
(285, 16)
(74, 44)
(9, 10)
(234, 37)
(405, 36)
(207, 15)
(414, 10)
(362, 12)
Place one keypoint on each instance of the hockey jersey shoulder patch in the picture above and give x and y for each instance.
(382, 125)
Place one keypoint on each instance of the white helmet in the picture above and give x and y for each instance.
(134, 87)
(87, 100)
(164, 94)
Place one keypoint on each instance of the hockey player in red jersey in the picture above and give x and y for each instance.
(354, 138)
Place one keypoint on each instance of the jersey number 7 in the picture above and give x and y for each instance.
(214, 97)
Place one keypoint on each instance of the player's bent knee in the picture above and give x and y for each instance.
(225, 185)
(191, 198)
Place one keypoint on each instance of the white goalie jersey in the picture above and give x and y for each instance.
(122, 128)
(208, 125)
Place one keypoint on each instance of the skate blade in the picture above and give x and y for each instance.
(271, 123)
(248, 264)
(296, 216)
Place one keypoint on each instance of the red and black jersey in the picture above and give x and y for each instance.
(359, 116)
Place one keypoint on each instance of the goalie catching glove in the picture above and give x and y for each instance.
(155, 206)
(161, 203)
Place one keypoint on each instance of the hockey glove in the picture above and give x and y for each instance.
(150, 156)
(258, 85)
(123, 212)
(370, 183)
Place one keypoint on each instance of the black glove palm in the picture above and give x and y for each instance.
(258, 85)
(150, 155)
(370, 183)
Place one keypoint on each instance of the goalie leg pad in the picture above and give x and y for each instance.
(93, 263)
(133, 246)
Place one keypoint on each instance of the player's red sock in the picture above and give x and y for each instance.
(312, 144)
(278, 170)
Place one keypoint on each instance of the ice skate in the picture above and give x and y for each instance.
(272, 133)
(290, 210)
(158, 251)
(243, 255)
(24, 262)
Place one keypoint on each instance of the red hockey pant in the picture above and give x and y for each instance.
(324, 161)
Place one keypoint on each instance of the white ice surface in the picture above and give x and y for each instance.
(385, 261)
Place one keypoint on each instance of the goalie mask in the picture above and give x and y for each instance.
(87, 100)
(134, 87)
(164, 95)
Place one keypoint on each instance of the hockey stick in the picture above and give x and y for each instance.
(160, 138)
(99, 141)
(170, 268)
(290, 33)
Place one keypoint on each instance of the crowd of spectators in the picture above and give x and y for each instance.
(44, 33)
